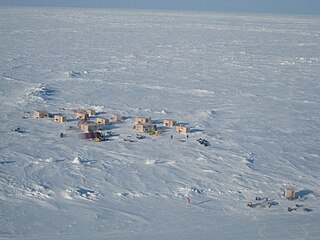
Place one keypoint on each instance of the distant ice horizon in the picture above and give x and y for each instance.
(294, 7)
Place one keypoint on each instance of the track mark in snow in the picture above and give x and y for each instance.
(176, 90)
(154, 162)
(40, 92)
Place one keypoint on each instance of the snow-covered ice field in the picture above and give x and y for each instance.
(249, 84)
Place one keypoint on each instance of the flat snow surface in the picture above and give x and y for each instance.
(248, 84)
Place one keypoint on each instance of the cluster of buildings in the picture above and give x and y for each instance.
(85, 124)
(88, 122)
(146, 125)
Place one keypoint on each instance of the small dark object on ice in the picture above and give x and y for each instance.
(128, 140)
(196, 190)
(203, 142)
(307, 209)
(140, 136)
(19, 130)
(290, 209)
(260, 199)
(61, 135)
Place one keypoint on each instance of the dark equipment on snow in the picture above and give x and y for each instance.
(91, 135)
(203, 142)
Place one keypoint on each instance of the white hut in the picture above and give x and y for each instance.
(115, 117)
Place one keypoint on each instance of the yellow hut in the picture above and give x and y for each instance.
(41, 114)
(102, 121)
(169, 123)
(89, 127)
(182, 129)
(82, 115)
(149, 128)
(289, 193)
(59, 118)
(91, 112)
(141, 120)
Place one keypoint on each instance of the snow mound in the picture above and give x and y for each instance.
(150, 162)
(76, 74)
(40, 92)
(201, 92)
(35, 191)
(98, 108)
(186, 191)
(206, 113)
(76, 160)
(130, 194)
(248, 161)
(81, 193)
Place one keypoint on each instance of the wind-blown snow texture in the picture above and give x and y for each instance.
(248, 84)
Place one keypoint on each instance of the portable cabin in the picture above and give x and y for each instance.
(41, 114)
(82, 115)
(91, 112)
(140, 128)
(182, 129)
(149, 128)
(169, 123)
(59, 118)
(115, 117)
(102, 121)
(289, 193)
(142, 120)
(89, 127)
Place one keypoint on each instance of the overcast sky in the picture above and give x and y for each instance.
(264, 6)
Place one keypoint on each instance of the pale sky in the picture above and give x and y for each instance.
(258, 6)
